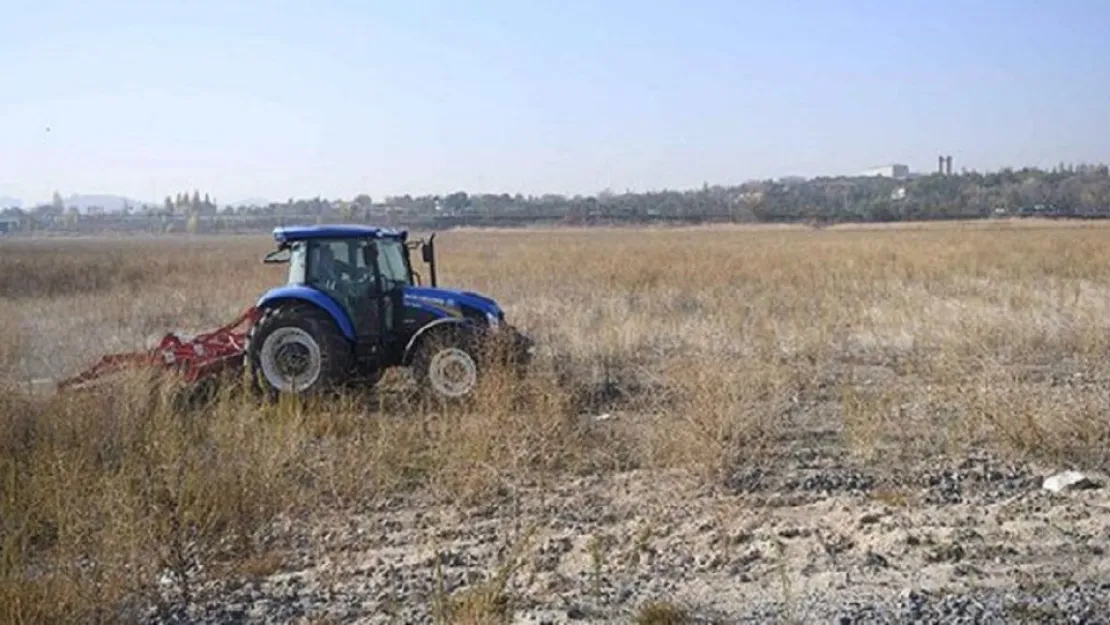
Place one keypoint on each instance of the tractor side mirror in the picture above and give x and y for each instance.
(427, 250)
(278, 256)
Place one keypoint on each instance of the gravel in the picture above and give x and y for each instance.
(1080, 603)
(974, 541)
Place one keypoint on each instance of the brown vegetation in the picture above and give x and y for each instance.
(703, 344)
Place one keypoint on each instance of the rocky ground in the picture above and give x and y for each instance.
(974, 540)
(805, 531)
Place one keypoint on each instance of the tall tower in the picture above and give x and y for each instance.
(940, 165)
(948, 164)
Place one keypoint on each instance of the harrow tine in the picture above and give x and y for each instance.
(108, 365)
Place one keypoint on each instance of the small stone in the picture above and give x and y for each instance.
(876, 560)
(1069, 480)
(870, 518)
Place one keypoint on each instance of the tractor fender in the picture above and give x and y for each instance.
(410, 347)
(315, 297)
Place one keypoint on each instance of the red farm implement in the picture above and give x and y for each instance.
(195, 360)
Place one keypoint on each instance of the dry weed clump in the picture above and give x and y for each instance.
(119, 499)
(105, 495)
(11, 344)
(703, 347)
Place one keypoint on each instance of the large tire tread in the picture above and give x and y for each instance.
(428, 345)
(335, 351)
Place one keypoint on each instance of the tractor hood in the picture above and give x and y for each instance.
(451, 299)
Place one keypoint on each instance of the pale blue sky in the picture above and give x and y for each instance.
(277, 99)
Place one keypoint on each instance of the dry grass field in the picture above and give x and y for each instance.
(723, 424)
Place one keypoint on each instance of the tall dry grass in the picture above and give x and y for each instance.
(715, 349)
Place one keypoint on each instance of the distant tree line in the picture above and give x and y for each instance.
(1062, 192)
(185, 204)
(1065, 191)
(1078, 191)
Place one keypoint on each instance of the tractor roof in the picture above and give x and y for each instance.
(284, 234)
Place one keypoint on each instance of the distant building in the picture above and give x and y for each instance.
(896, 171)
(10, 224)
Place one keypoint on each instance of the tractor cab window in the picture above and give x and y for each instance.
(297, 262)
(338, 267)
(338, 261)
(391, 263)
(344, 270)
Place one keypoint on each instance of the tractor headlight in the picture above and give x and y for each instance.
(494, 322)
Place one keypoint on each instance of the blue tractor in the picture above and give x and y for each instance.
(353, 306)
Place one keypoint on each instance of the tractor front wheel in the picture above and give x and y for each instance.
(446, 365)
(297, 348)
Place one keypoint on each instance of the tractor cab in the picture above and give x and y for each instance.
(358, 271)
(296, 250)
(352, 295)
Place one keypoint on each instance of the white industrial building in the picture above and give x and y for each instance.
(897, 171)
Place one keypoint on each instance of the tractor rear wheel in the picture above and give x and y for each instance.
(297, 348)
(446, 365)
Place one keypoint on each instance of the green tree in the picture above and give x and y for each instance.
(363, 202)
(456, 201)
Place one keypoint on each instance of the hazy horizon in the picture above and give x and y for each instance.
(249, 100)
